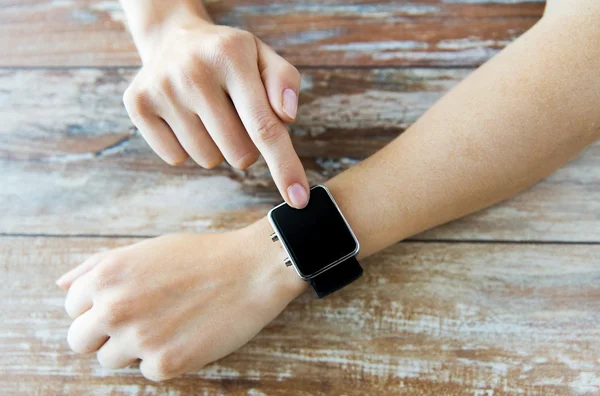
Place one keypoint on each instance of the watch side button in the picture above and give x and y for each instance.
(287, 262)
(274, 237)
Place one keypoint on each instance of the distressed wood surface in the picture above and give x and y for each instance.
(503, 302)
(74, 165)
(324, 32)
(427, 318)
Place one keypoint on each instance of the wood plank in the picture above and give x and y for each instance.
(427, 318)
(325, 32)
(72, 164)
(58, 114)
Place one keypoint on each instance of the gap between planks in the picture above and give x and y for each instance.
(303, 67)
(408, 240)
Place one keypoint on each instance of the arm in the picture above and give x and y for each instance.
(513, 121)
(212, 92)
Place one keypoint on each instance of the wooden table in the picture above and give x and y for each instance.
(506, 301)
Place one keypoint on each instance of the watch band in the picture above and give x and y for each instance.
(337, 277)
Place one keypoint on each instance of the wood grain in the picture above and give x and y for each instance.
(324, 32)
(72, 164)
(65, 115)
(454, 314)
(427, 318)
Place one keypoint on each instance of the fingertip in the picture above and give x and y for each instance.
(297, 195)
(177, 161)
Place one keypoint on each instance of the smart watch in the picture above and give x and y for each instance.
(320, 244)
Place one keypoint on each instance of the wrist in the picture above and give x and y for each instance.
(149, 26)
(267, 258)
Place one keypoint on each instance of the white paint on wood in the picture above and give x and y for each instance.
(462, 57)
(492, 1)
(112, 8)
(471, 42)
(374, 47)
(473, 318)
(381, 10)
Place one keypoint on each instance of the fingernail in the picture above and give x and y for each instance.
(297, 195)
(290, 102)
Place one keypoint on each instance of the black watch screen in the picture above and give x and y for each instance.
(316, 237)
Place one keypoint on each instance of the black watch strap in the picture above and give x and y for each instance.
(336, 277)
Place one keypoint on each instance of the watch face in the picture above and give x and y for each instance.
(316, 236)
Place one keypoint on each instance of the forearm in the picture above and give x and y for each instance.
(509, 124)
(147, 19)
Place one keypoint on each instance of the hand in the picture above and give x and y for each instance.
(209, 92)
(177, 302)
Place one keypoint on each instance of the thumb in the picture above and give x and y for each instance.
(281, 81)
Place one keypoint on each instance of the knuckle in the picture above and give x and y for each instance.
(105, 361)
(76, 289)
(107, 364)
(164, 87)
(72, 341)
(111, 312)
(176, 160)
(230, 42)
(230, 47)
(138, 102)
(154, 376)
(211, 163)
(167, 364)
(70, 309)
(78, 341)
(105, 273)
(267, 128)
(102, 360)
(129, 96)
(190, 75)
(143, 339)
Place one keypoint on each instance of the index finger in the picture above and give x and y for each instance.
(271, 137)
